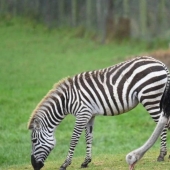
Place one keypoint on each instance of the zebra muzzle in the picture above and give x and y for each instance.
(36, 165)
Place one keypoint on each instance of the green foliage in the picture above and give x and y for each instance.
(32, 59)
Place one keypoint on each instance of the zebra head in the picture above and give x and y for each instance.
(43, 142)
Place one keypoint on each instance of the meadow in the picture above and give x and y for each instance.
(32, 59)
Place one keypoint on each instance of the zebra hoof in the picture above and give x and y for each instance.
(62, 168)
(160, 159)
(84, 165)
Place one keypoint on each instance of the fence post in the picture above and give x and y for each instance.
(101, 6)
(61, 12)
(37, 5)
(126, 8)
(143, 17)
(163, 16)
(74, 12)
(3, 6)
(110, 20)
(13, 9)
(89, 13)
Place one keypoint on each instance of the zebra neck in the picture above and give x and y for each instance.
(53, 111)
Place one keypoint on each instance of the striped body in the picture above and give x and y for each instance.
(110, 91)
(120, 88)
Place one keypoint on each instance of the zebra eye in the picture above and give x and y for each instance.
(34, 140)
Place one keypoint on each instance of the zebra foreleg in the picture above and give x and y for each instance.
(163, 150)
(81, 122)
(89, 139)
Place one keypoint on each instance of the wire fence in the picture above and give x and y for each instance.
(142, 19)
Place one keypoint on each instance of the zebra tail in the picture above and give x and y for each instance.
(165, 102)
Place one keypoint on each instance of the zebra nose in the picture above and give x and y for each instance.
(36, 165)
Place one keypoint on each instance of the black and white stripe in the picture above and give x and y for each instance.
(110, 91)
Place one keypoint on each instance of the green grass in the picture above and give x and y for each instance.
(105, 162)
(32, 59)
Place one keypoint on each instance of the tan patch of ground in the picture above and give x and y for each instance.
(162, 55)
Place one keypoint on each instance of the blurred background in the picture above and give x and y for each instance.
(140, 19)
(43, 41)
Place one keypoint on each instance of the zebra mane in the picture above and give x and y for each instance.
(44, 99)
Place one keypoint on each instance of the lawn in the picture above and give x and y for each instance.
(32, 59)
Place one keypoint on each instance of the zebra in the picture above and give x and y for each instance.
(110, 91)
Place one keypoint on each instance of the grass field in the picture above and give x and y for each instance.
(32, 59)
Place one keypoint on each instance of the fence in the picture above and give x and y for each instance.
(143, 19)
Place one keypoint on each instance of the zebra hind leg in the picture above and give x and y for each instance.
(161, 155)
(155, 116)
(85, 163)
(163, 150)
(89, 139)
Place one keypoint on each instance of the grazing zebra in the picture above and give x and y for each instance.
(109, 92)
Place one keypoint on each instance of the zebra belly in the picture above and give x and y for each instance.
(122, 109)
(117, 107)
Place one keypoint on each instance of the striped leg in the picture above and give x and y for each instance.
(89, 139)
(163, 137)
(80, 124)
(163, 150)
(151, 101)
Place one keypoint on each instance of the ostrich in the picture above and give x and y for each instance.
(133, 157)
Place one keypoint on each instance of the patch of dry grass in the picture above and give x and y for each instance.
(106, 162)
(162, 55)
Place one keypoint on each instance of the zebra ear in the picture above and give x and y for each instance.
(36, 124)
